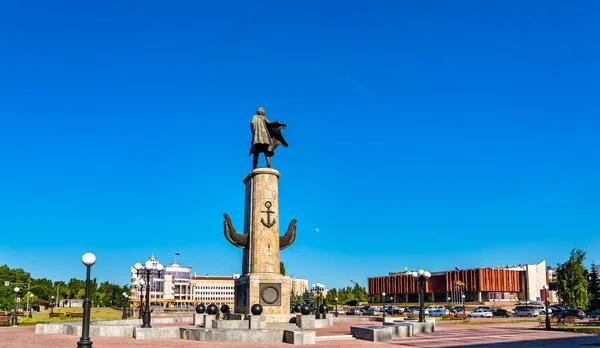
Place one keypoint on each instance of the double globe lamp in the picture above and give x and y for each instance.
(421, 277)
(149, 266)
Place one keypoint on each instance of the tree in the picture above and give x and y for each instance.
(74, 287)
(309, 299)
(360, 293)
(281, 268)
(296, 299)
(44, 288)
(572, 284)
(330, 297)
(594, 287)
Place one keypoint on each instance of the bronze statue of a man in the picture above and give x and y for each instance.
(266, 136)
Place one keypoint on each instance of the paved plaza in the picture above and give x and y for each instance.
(446, 335)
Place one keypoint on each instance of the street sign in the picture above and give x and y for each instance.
(6, 283)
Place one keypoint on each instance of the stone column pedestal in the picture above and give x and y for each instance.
(261, 281)
(208, 320)
(257, 322)
(307, 321)
(270, 290)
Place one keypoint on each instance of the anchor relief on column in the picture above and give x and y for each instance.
(241, 240)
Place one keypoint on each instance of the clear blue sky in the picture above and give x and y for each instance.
(429, 136)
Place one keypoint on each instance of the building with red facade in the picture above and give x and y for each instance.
(479, 284)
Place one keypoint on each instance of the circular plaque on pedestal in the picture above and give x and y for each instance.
(270, 295)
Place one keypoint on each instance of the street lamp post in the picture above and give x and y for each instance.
(88, 259)
(16, 305)
(149, 267)
(336, 307)
(318, 288)
(421, 277)
(30, 298)
(383, 303)
(141, 306)
(463, 305)
(547, 303)
(125, 303)
(52, 305)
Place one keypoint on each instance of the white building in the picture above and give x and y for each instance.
(176, 287)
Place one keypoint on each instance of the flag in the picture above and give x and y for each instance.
(458, 282)
(177, 253)
(456, 268)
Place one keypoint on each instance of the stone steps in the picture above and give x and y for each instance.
(334, 338)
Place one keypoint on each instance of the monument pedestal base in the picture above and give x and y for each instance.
(270, 290)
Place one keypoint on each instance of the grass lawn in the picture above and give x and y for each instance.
(593, 330)
(96, 314)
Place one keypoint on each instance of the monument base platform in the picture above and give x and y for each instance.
(270, 290)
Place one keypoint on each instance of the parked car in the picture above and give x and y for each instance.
(486, 308)
(370, 311)
(558, 308)
(396, 311)
(480, 313)
(527, 312)
(457, 309)
(524, 302)
(542, 309)
(352, 311)
(593, 314)
(437, 312)
(416, 311)
(501, 313)
(518, 308)
(578, 313)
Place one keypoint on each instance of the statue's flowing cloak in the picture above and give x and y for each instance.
(266, 133)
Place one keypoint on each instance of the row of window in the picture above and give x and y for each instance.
(215, 287)
(213, 292)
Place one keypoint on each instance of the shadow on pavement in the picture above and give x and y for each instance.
(570, 342)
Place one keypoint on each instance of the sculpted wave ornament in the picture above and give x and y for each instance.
(241, 240)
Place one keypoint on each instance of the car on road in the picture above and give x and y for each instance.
(501, 313)
(578, 313)
(526, 312)
(593, 314)
(353, 311)
(480, 313)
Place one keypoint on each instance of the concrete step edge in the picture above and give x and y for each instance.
(333, 338)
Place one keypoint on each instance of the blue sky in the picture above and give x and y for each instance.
(421, 135)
